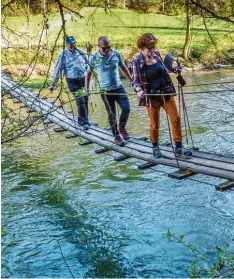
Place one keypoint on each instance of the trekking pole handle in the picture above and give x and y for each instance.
(179, 77)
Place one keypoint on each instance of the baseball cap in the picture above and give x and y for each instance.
(70, 40)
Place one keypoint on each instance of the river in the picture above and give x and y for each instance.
(67, 211)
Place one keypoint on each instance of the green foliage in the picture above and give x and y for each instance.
(34, 7)
(123, 27)
(168, 234)
(37, 115)
(36, 83)
(169, 7)
(80, 93)
(203, 265)
(4, 113)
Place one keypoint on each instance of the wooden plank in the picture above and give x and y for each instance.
(144, 138)
(169, 154)
(46, 122)
(196, 153)
(71, 136)
(85, 142)
(181, 174)
(59, 130)
(140, 146)
(146, 166)
(225, 186)
(167, 147)
(99, 136)
(207, 162)
(166, 144)
(122, 157)
(101, 150)
(93, 123)
(207, 155)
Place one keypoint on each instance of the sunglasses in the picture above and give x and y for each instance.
(105, 48)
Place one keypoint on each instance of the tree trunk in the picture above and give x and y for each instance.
(187, 43)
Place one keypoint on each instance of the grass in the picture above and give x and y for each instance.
(123, 27)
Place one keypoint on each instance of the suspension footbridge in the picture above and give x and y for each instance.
(211, 164)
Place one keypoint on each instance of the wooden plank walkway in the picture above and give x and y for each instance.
(201, 162)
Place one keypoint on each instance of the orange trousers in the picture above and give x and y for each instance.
(169, 105)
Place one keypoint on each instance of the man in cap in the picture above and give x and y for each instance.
(72, 62)
(107, 62)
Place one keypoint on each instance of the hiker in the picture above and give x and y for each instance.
(72, 61)
(107, 62)
(150, 78)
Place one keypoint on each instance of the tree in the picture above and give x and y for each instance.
(186, 48)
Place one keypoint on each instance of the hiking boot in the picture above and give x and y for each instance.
(157, 152)
(118, 140)
(181, 151)
(124, 133)
(85, 126)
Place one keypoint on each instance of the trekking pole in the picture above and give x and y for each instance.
(187, 119)
(179, 99)
(89, 49)
(169, 130)
(181, 84)
(184, 116)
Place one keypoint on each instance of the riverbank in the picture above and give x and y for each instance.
(38, 74)
(123, 27)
